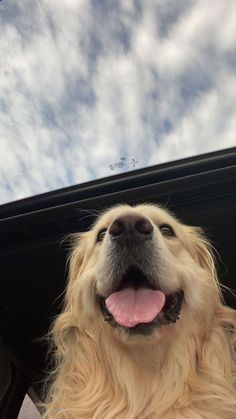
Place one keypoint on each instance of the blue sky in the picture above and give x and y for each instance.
(84, 83)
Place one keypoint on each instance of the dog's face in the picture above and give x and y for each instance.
(139, 272)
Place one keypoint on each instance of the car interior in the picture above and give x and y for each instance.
(200, 190)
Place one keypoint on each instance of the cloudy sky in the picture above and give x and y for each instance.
(85, 84)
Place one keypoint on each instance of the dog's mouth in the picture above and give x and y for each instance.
(139, 307)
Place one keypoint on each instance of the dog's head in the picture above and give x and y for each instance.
(139, 271)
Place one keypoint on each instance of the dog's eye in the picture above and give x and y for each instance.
(101, 235)
(167, 230)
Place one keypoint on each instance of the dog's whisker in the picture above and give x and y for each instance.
(92, 212)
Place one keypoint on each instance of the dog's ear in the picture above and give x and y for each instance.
(202, 250)
(65, 324)
(76, 258)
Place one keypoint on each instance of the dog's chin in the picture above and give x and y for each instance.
(137, 280)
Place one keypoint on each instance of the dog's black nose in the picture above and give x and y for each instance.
(130, 223)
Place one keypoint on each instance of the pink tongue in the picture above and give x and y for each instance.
(130, 306)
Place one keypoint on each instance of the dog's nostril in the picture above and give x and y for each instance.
(144, 226)
(117, 228)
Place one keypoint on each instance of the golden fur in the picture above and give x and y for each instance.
(184, 370)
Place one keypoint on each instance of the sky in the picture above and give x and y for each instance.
(92, 88)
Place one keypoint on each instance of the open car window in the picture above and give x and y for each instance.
(28, 410)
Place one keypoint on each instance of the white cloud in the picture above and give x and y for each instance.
(83, 83)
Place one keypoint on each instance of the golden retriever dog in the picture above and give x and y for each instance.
(143, 332)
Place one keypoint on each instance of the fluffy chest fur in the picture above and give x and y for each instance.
(178, 382)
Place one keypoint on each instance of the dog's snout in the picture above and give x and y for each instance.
(130, 223)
